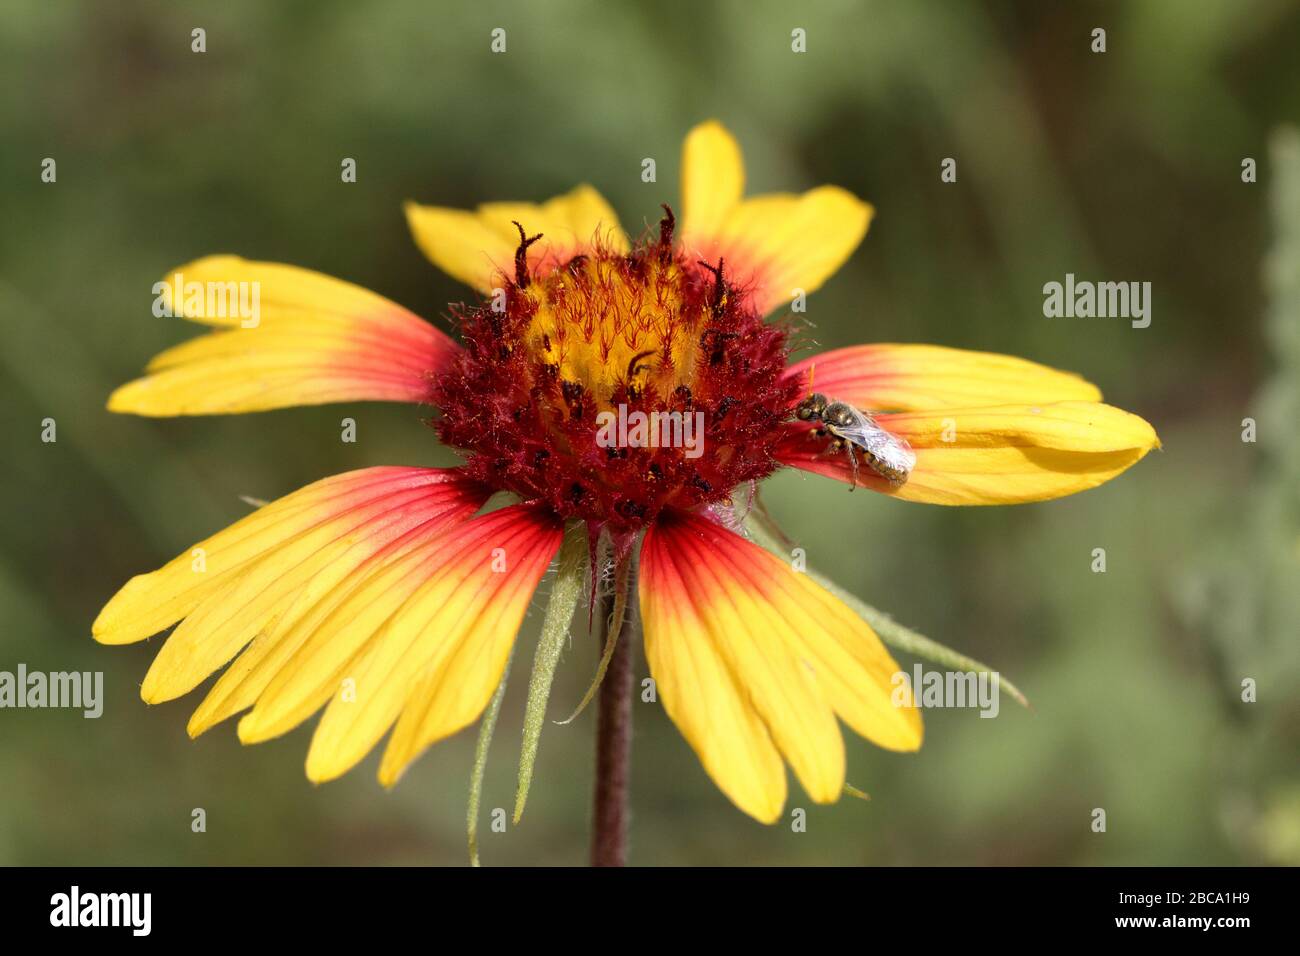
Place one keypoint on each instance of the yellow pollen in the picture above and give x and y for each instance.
(600, 324)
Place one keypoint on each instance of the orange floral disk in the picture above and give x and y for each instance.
(620, 335)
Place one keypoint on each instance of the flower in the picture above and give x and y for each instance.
(384, 596)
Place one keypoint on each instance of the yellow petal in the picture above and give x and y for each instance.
(302, 338)
(441, 652)
(1004, 454)
(478, 247)
(753, 641)
(327, 641)
(705, 701)
(856, 673)
(888, 377)
(713, 178)
(248, 676)
(149, 603)
(781, 246)
(469, 660)
(263, 592)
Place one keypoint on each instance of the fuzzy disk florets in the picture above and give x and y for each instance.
(545, 396)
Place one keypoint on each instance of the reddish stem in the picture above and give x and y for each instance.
(613, 745)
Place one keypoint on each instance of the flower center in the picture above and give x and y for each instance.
(615, 385)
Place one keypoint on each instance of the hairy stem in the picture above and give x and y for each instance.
(613, 743)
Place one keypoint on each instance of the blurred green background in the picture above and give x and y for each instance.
(1121, 166)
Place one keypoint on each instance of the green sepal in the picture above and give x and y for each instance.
(565, 593)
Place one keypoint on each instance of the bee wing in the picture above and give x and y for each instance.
(871, 438)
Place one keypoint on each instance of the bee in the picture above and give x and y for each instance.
(852, 431)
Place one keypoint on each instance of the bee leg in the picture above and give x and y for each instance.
(853, 460)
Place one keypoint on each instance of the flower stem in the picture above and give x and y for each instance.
(613, 743)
